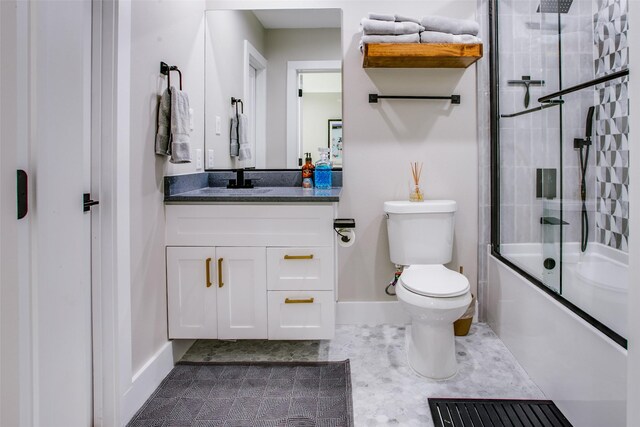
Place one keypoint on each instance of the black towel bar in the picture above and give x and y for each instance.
(166, 70)
(235, 102)
(373, 97)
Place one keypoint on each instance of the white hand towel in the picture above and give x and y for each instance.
(163, 130)
(436, 37)
(402, 18)
(443, 24)
(403, 38)
(244, 152)
(180, 152)
(381, 16)
(372, 26)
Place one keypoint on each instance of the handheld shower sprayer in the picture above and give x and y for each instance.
(583, 145)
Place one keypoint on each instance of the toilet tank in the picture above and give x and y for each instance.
(420, 232)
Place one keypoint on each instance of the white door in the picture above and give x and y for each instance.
(14, 276)
(191, 292)
(242, 296)
(60, 123)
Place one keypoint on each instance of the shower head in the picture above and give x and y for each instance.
(589, 125)
(554, 6)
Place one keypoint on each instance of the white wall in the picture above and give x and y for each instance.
(226, 32)
(173, 32)
(380, 141)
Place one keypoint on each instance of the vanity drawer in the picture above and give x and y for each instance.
(301, 315)
(300, 269)
(249, 225)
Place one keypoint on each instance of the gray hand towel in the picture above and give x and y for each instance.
(381, 16)
(402, 18)
(239, 139)
(371, 26)
(444, 24)
(180, 152)
(163, 130)
(403, 38)
(437, 37)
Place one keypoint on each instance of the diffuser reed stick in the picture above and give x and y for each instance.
(416, 194)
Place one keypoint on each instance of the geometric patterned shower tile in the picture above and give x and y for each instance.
(611, 53)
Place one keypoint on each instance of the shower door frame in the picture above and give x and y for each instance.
(494, 79)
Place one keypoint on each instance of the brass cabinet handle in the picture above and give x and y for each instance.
(208, 267)
(298, 256)
(298, 301)
(220, 284)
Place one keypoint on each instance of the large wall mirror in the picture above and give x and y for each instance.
(285, 66)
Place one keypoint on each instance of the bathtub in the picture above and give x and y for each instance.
(596, 281)
(574, 363)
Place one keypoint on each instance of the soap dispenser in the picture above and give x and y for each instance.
(307, 172)
(322, 175)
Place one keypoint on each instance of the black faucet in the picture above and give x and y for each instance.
(240, 181)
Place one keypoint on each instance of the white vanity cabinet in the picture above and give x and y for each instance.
(217, 292)
(251, 271)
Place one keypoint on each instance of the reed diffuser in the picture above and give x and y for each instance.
(416, 195)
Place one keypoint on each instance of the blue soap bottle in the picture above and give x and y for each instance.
(322, 173)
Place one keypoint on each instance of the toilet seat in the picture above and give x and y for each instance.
(434, 281)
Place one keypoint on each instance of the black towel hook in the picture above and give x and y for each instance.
(235, 102)
(166, 69)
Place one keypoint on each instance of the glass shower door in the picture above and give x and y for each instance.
(529, 141)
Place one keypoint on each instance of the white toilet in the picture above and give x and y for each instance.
(421, 239)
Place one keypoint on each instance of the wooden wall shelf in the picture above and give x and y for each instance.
(420, 55)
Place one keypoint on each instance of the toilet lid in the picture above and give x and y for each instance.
(434, 281)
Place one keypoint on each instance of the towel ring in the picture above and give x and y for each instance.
(166, 69)
(235, 102)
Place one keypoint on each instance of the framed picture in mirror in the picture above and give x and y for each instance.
(335, 141)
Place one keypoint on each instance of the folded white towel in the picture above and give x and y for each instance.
(444, 24)
(380, 16)
(437, 37)
(163, 129)
(372, 26)
(245, 150)
(402, 18)
(239, 141)
(180, 127)
(403, 38)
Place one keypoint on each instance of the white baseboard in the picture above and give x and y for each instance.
(370, 313)
(149, 377)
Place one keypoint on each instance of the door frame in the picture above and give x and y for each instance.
(294, 68)
(253, 58)
(111, 278)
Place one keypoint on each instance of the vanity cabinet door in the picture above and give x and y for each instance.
(191, 292)
(242, 292)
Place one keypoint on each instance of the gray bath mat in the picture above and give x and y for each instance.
(273, 394)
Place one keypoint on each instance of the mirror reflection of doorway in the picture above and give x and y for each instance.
(320, 101)
(335, 141)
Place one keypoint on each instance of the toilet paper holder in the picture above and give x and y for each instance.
(341, 225)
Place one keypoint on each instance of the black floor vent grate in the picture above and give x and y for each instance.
(496, 413)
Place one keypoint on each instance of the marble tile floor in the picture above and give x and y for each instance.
(385, 389)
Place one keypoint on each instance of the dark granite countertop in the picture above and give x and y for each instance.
(258, 194)
(271, 187)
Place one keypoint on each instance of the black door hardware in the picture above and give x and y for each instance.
(87, 202)
(22, 195)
